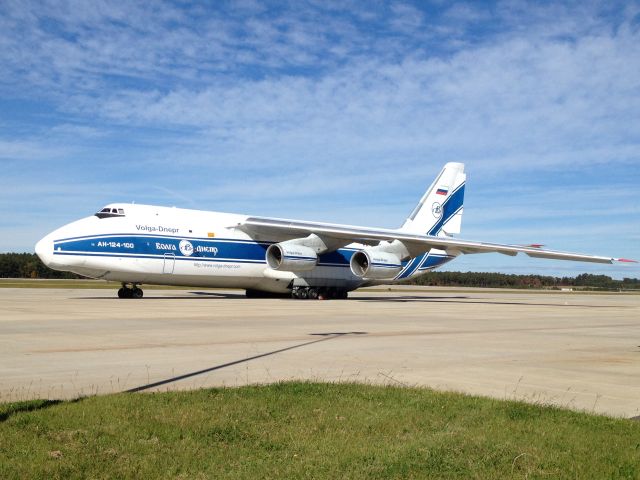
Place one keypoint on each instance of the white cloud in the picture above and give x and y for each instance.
(513, 105)
(21, 150)
(467, 13)
(405, 17)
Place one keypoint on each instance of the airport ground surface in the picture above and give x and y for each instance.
(577, 350)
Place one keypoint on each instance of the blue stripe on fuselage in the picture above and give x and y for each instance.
(156, 246)
(434, 261)
(411, 266)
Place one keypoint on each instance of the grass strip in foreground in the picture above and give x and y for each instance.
(311, 430)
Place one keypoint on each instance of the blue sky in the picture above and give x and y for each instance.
(329, 111)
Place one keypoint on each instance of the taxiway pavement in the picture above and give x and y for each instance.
(574, 350)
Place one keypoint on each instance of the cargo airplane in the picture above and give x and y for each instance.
(137, 244)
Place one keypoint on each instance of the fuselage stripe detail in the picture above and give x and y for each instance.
(407, 266)
(147, 246)
(160, 257)
(157, 236)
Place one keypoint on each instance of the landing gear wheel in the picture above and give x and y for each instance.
(338, 293)
(313, 293)
(130, 291)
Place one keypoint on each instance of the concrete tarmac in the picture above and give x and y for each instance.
(580, 351)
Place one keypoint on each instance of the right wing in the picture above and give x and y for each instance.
(342, 235)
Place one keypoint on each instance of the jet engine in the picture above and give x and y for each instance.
(375, 264)
(291, 257)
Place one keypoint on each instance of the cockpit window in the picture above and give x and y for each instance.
(107, 212)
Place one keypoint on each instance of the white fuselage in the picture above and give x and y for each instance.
(172, 246)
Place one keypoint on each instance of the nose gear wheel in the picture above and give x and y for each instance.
(130, 291)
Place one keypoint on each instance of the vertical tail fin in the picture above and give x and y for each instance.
(440, 209)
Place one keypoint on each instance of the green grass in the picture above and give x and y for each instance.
(308, 430)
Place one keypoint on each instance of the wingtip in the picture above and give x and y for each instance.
(625, 260)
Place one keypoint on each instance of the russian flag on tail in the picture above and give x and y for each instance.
(442, 191)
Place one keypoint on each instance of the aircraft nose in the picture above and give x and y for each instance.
(44, 250)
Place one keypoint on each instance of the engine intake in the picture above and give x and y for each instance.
(375, 264)
(291, 257)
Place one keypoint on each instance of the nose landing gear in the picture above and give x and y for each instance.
(130, 291)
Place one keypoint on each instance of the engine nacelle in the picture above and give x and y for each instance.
(375, 264)
(291, 258)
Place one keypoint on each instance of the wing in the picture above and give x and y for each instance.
(341, 235)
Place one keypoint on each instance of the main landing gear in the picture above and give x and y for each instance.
(303, 293)
(318, 293)
(130, 291)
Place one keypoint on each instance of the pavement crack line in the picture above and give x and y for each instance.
(326, 337)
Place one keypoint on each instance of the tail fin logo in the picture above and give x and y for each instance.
(440, 205)
(436, 209)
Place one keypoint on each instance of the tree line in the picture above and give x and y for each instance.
(28, 265)
(505, 280)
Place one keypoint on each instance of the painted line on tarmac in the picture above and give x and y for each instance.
(325, 337)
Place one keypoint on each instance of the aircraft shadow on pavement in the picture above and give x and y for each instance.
(205, 294)
(408, 298)
(196, 296)
(323, 338)
(462, 299)
(470, 300)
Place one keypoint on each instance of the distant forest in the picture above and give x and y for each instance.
(28, 265)
(584, 281)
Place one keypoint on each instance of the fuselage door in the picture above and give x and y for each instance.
(169, 262)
